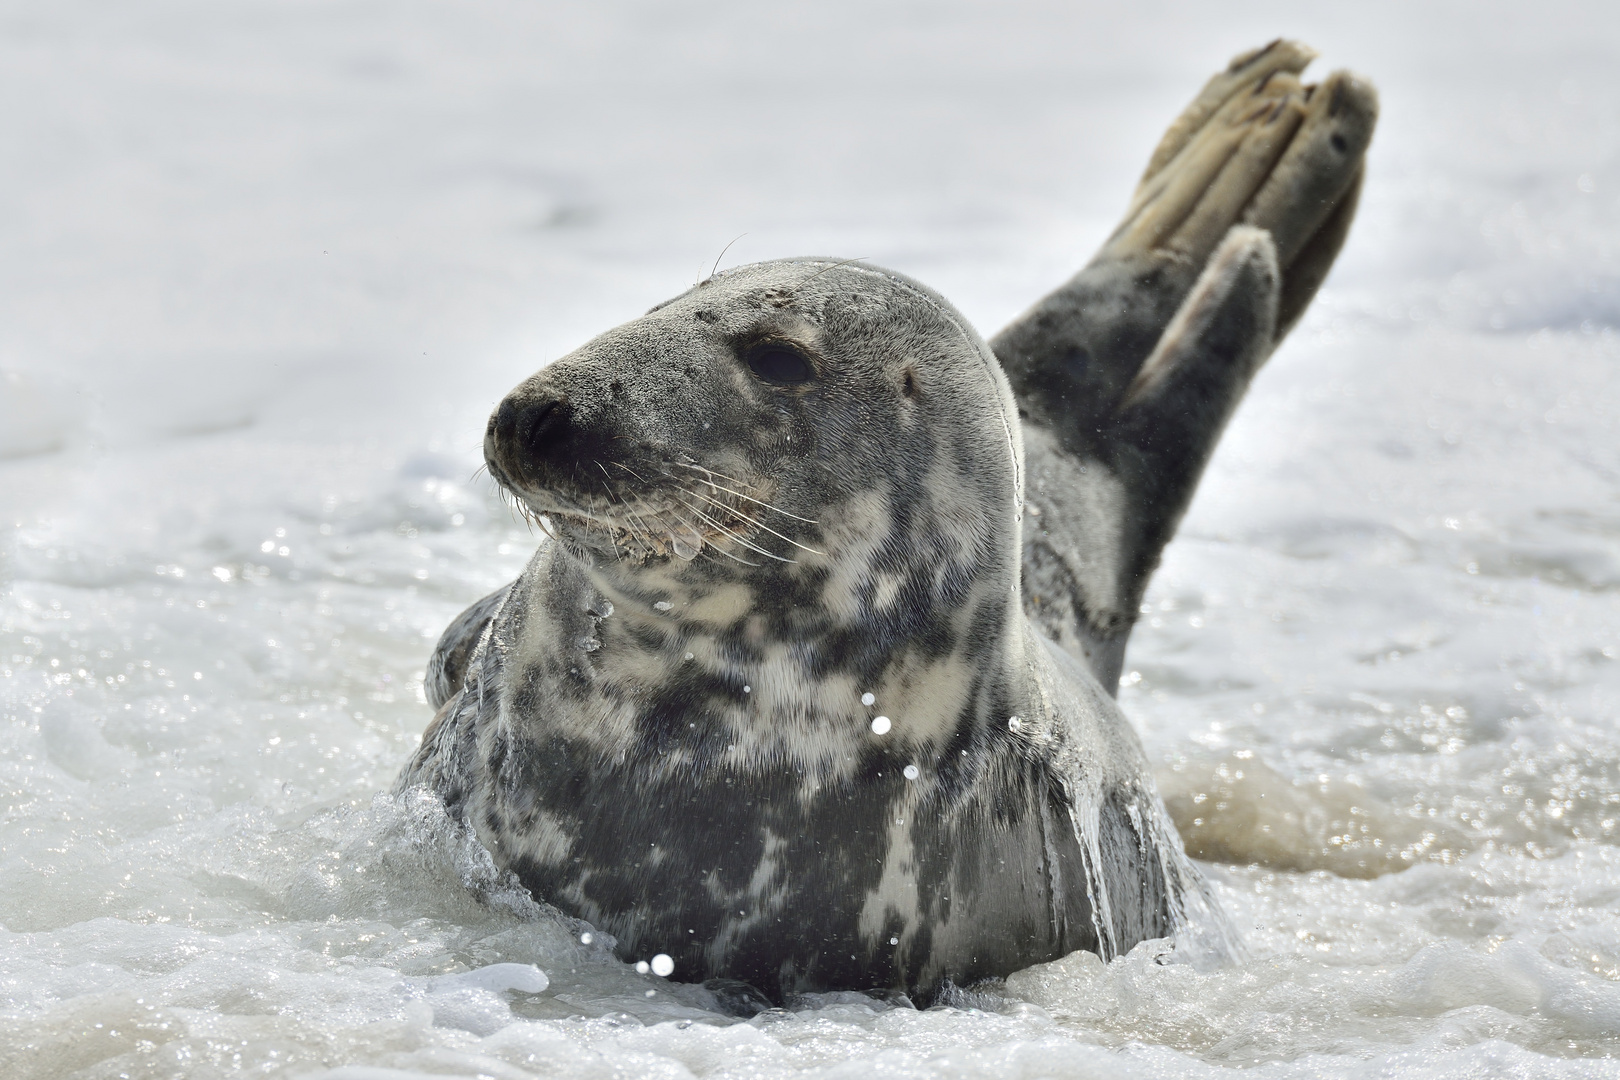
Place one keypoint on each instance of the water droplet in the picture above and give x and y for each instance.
(911, 772)
(585, 938)
(651, 993)
(642, 967)
(748, 689)
(868, 698)
(662, 605)
(1014, 724)
(663, 966)
(689, 656)
(880, 725)
(894, 941)
(686, 542)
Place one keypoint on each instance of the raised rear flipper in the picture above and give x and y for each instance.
(1126, 375)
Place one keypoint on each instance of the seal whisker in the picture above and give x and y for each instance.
(631, 471)
(607, 482)
(730, 534)
(722, 551)
(705, 469)
(716, 268)
(517, 508)
(752, 521)
(740, 495)
(648, 535)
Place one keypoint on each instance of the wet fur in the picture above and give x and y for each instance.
(674, 748)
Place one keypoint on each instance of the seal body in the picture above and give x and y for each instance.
(768, 701)
(796, 694)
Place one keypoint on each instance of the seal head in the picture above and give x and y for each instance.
(826, 436)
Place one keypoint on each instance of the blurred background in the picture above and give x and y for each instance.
(220, 214)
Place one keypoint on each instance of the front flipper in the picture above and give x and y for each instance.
(447, 667)
(1126, 375)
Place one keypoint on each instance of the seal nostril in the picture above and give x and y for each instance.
(525, 428)
(539, 423)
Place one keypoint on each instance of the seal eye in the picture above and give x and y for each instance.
(780, 364)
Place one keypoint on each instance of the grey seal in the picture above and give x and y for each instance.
(796, 692)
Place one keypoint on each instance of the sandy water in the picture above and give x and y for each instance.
(270, 266)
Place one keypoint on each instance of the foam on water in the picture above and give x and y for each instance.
(1379, 670)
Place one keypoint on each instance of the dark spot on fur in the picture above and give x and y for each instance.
(648, 638)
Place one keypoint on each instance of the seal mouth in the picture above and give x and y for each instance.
(681, 513)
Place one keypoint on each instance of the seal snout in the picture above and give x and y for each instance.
(531, 426)
(524, 432)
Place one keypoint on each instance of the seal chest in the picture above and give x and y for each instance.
(767, 701)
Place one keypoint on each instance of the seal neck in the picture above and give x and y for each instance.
(798, 664)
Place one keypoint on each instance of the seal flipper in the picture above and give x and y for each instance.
(447, 667)
(1244, 72)
(1255, 148)
(1173, 412)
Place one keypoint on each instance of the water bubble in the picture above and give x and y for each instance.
(585, 938)
(911, 772)
(1013, 723)
(880, 725)
(662, 605)
(868, 698)
(642, 967)
(663, 965)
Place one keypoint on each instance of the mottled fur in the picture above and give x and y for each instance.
(675, 748)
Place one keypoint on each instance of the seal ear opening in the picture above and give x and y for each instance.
(908, 383)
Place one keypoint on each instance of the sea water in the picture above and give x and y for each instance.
(268, 266)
